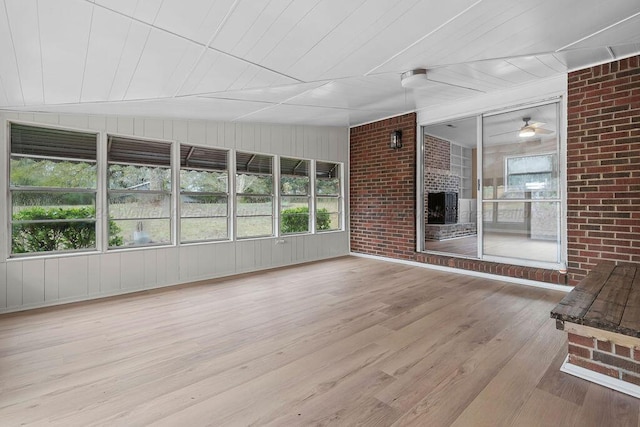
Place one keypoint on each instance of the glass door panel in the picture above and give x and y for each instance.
(521, 207)
(449, 187)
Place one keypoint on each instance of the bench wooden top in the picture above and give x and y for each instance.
(607, 298)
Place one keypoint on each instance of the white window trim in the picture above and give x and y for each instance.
(309, 197)
(274, 174)
(8, 211)
(173, 212)
(340, 197)
(178, 192)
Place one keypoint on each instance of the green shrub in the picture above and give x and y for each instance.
(57, 236)
(296, 220)
(323, 219)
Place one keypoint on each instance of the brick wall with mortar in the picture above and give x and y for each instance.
(382, 202)
(437, 166)
(437, 181)
(604, 357)
(382, 189)
(437, 153)
(603, 165)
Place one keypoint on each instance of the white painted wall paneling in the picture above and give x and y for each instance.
(40, 281)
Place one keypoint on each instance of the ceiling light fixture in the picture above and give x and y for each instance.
(527, 130)
(414, 78)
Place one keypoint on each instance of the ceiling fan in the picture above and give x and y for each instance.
(532, 129)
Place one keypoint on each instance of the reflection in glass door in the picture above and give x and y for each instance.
(521, 200)
(449, 192)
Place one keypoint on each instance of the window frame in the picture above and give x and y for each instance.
(510, 188)
(93, 192)
(237, 195)
(168, 194)
(339, 196)
(308, 195)
(227, 194)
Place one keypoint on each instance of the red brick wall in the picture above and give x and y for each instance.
(615, 360)
(603, 165)
(382, 189)
(437, 153)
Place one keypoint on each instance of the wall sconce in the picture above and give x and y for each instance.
(396, 139)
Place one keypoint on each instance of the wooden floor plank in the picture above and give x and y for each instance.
(502, 399)
(561, 385)
(545, 409)
(456, 388)
(349, 341)
(606, 407)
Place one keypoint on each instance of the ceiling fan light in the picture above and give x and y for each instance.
(414, 78)
(526, 132)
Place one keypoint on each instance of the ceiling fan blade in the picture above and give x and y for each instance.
(543, 131)
(504, 133)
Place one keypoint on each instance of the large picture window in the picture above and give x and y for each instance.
(139, 192)
(254, 195)
(294, 196)
(328, 197)
(52, 186)
(204, 194)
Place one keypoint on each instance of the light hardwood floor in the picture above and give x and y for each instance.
(349, 341)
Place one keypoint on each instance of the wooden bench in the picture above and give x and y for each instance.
(602, 318)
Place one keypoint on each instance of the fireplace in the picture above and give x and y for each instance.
(442, 208)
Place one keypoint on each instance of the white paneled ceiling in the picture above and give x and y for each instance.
(318, 62)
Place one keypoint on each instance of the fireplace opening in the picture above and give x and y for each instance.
(442, 208)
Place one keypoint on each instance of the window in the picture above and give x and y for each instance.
(294, 196)
(52, 186)
(328, 197)
(139, 192)
(254, 195)
(67, 194)
(530, 174)
(204, 194)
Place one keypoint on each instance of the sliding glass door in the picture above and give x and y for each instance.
(491, 187)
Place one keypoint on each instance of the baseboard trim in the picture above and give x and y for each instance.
(600, 379)
(526, 282)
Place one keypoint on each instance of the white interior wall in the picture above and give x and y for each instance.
(53, 279)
